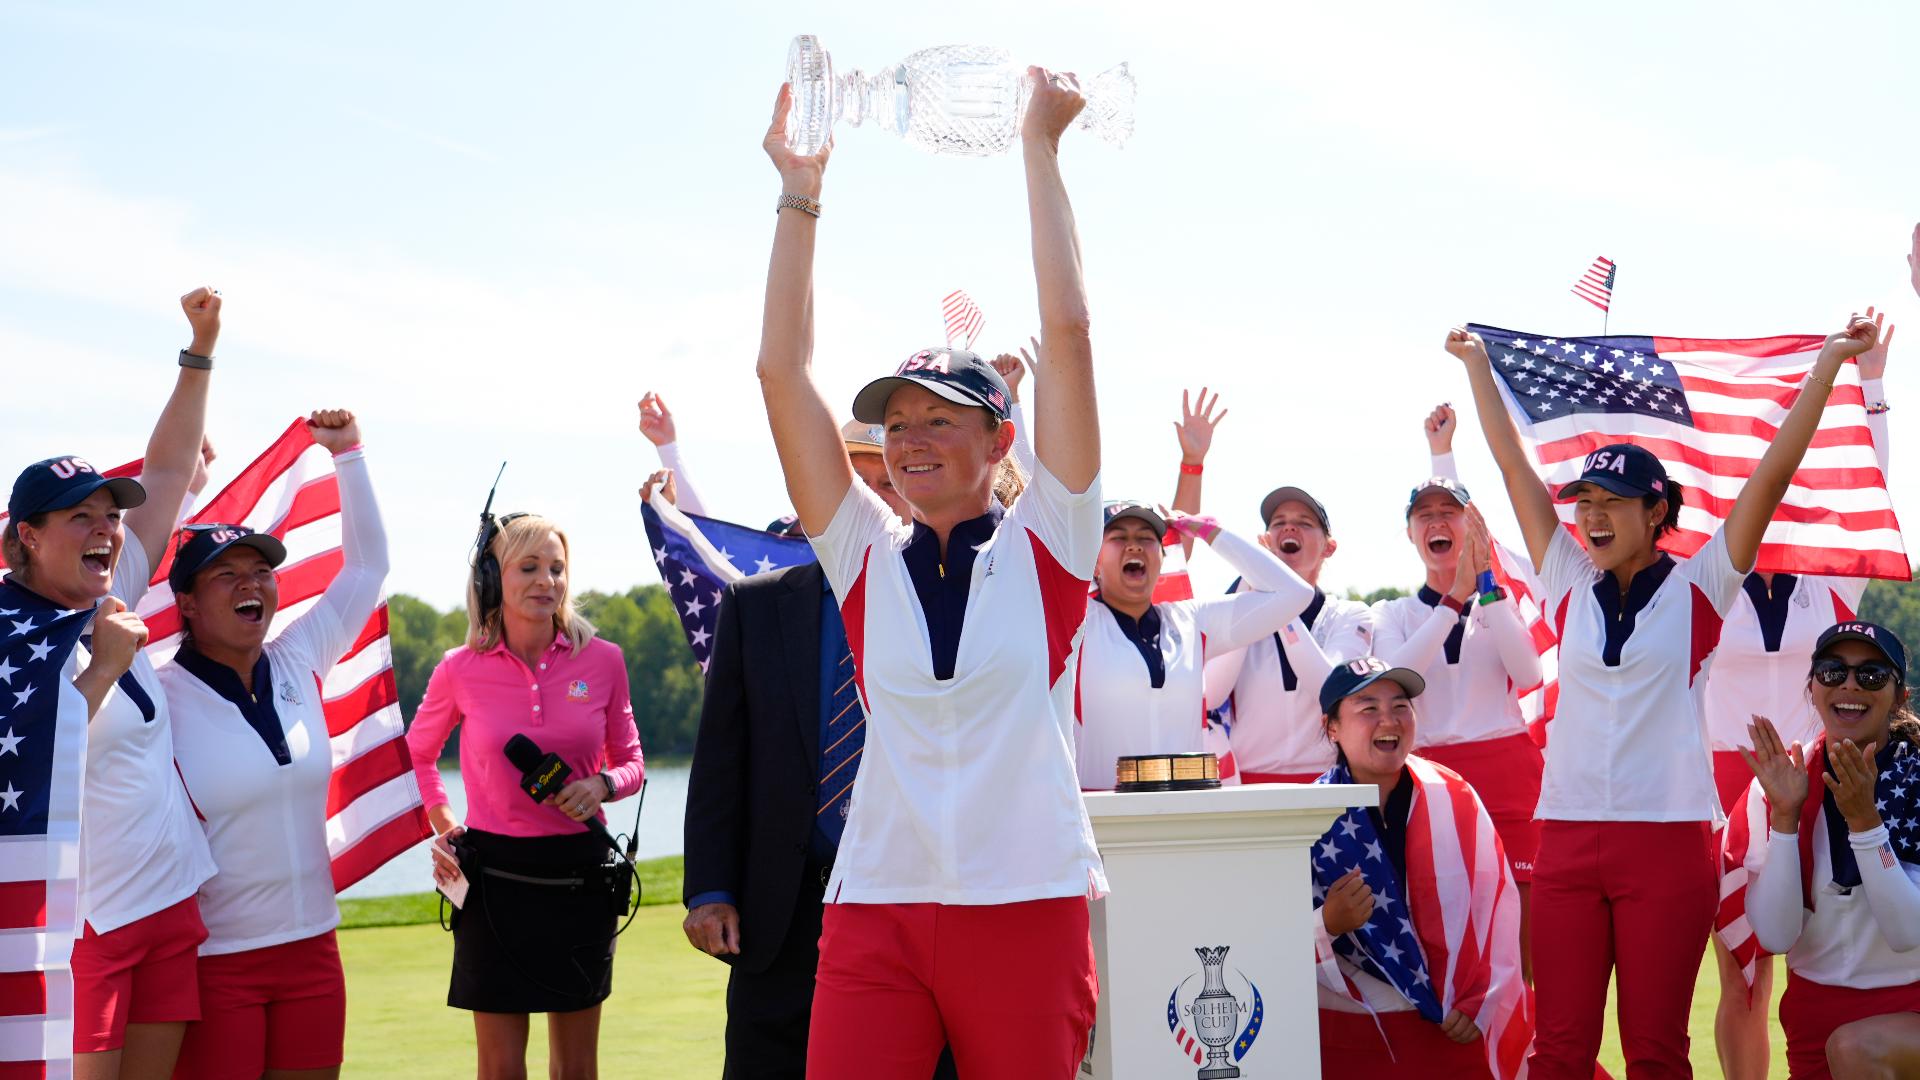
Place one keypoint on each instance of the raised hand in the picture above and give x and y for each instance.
(656, 420)
(663, 480)
(1054, 102)
(1195, 427)
(1466, 345)
(202, 306)
(1861, 334)
(1349, 904)
(1873, 362)
(1479, 541)
(1465, 576)
(1440, 425)
(1851, 776)
(800, 174)
(336, 430)
(1012, 370)
(1781, 770)
(1184, 526)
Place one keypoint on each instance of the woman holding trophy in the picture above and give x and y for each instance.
(967, 861)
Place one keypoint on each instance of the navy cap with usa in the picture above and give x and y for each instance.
(1441, 484)
(1353, 676)
(957, 375)
(60, 482)
(200, 545)
(1870, 633)
(1128, 508)
(1622, 468)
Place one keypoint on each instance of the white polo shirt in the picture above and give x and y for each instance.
(1275, 686)
(1471, 677)
(1840, 942)
(1125, 706)
(1766, 647)
(1629, 741)
(966, 792)
(141, 848)
(266, 802)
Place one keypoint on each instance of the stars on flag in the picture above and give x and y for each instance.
(1570, 378)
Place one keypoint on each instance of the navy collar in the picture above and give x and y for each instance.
(1619, 612)
(943, 585)
(970, 533)
(1144, 633)
(1772, 606)
(1458, 634)
(256, 707)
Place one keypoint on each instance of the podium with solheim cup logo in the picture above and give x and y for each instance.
(1205, 943)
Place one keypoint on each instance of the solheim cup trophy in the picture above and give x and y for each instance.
(950, 99)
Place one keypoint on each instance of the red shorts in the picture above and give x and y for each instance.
(1279, 777)
(142, 973)
(1505, 773)
(1351, 1048)
(278, 1007)
(1811, 1012)
(1730, 777)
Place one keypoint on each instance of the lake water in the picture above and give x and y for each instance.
(661, 821)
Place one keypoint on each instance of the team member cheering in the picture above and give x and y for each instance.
(1275, 690)
(966, 839)
(1836, 884)
(1474, 651)
(1433, 968)
(1624, 877)
(250, 737)
(531, 938)
(142, 854)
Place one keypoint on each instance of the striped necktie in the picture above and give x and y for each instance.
(840, 751)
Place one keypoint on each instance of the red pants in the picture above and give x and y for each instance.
(1351, 1049)
(1010, 986)
(1811, 1012)
(142, 973)
(1279, 777)
(278, 1007)
(1505, 773)
(1632, 899)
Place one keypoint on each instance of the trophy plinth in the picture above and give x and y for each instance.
(1166, 772)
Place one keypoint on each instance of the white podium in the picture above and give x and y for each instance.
(1204, 946)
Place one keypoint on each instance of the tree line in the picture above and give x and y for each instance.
(666, 682)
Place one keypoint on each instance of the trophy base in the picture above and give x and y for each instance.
(1166, 772)
(1219, 1072)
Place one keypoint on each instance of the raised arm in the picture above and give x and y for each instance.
(1194, 430)
(1760, 496)
(337, 620)
(1012, 370)
(1066, 436)
(1873, 373)
(1532, 505)
(656, 424)
(1440, 425)
(173, 450)
(816, 467)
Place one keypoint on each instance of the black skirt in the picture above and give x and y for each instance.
(536, 933)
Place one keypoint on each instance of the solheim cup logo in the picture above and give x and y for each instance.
(1207, 1026)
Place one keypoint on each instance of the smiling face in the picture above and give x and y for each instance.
(533, 586)
(233, 601)
(1297, 537)
(1128, 567)
(1617, 529)
(1374, 728)
(72, 553)
(872, 470)
(941, 455)
(1848, 711)
(1437, 528)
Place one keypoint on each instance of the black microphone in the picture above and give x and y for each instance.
(543, 774)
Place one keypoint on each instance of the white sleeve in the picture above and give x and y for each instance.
(1711, 570)
(331, 625)
(1260, 569)
(1067, 525)
(1443, 465)
(1774, 908)
(131, 572)
(1237, 621)
(1513, 641)
(860, 524)
(1876, 390)
(1221, 673)
(1568, 567)
(683, 488)
(1023, 442)
(1892, 894)
(1417, 650)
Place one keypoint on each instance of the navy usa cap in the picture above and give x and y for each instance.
(1127, 508)
(1354, 676)
(1437, 483)
(1622, 468)
(955, 374)
(1872, 634)
(60, 482)
(201, 544)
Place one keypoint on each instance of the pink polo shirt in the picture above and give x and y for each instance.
(574, 706)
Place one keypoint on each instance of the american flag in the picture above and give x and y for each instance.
(1513, 571)
(698, 556)
(1708, 408)
(1596, 285)
(1450, 939)
(43, 751)
(963, 319)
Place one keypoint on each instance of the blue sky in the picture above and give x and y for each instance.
(489, 228)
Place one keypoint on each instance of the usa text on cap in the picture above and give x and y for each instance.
(954, 374)
(1353, 676)
(200, 545)
(1622, 468)
(60, 482)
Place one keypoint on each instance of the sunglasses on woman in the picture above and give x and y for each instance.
(1872, 675)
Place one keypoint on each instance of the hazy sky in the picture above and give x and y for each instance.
(489, 228)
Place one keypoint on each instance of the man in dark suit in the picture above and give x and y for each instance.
(773, 765)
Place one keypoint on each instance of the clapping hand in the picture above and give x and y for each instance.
(202, 306)
(1012, 369)
(656, 420)
(1349, 904)
(1781, 770)
(1440, 426)
(1466, 345)
(1852, 774)
(335, 430)
(1055, 101)
(1873, 362)
(800, 174)
(1195, 427)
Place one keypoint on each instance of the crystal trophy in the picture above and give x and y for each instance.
(950, 99)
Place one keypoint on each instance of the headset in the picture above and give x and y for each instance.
(486, 565)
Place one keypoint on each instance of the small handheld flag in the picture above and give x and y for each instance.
(964, 319)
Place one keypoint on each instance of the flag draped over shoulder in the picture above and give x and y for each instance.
(1708, 409)
(699, 556)
(1449, 937)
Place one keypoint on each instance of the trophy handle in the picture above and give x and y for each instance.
(810, 74)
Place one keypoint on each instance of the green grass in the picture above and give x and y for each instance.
(668, 1009)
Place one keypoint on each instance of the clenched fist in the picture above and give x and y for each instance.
(335, 430)
(202, 306)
